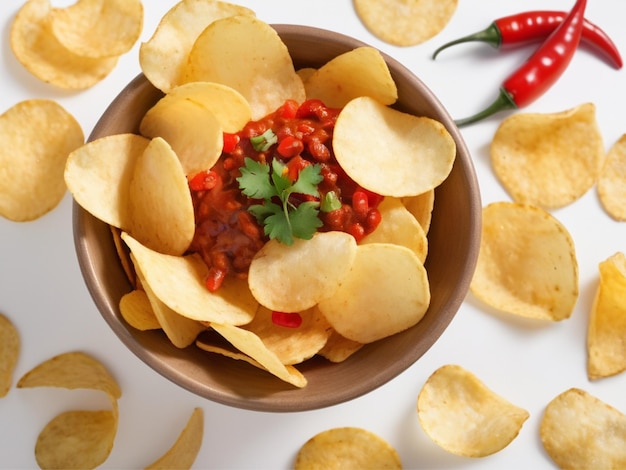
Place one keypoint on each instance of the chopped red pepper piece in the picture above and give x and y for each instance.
(204, 180)
(287, 320)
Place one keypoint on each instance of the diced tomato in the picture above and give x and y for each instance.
(204, 180)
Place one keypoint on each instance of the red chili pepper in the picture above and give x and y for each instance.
(531, 26)
(542, 69)
(286, 319)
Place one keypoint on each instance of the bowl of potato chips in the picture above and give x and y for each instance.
(274, 217)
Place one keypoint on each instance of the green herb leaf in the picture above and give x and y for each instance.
(255, 180)
(263, 142)
(308, 179)
(304, 220)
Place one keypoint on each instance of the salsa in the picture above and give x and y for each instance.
(227, 236)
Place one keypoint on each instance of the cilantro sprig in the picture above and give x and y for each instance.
(282, 219)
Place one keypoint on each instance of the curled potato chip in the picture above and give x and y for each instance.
(606, 347)
(347, 447)
(463, 416)
(263, 72)
(527, 263)
(163, 57)
(548, 160)
(403, 23)
(271, 276)
(369, 76)
(9, 353)
(579, 431)
(37, 136)
(390, 152)
(35, 46)
(385, 292)
(184, 451)
(421, 206)
(98, 28)
(136, 309)
(612, 181)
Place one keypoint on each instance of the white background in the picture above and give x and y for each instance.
(527, 362)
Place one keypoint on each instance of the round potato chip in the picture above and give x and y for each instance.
(9, 353)
(405, 22)
(263, 72)
(338, 348)
(293, 278)
(98, 28)
(463, 416)
(37, 136)
(38, 50)
(347, 447)
(385, 292)
(612, 181)
(578, 431)
(390, 152)
(548, 160)
(163, 57)
(527, 263)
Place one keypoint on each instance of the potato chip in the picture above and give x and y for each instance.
(37, 136)
(578, 431)
(98, 175)
(403, 23)
(347, 447)
(98, 28)
(548, 160)
(137, 312)
(184, 451)
(338, 348)
(179, 282)
(10, 346)
(606, 347)
(421, 206)
(35, 46)
(385, 292)
(369, 76)
(159, 202)
(464, 417)
(390, 152)
(295, 278)
(163, 57)
(527, 263)
(263, 72)
(612, 181)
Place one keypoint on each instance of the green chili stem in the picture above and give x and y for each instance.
(504, 101)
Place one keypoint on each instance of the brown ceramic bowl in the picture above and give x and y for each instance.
(453, 239)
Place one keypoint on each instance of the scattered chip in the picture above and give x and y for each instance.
(612, 181)
(37, 136)
(136, 309)
(403, 23)
(606, 347)
(527, 263)
(578, 431)
(548, 160)
(9, 353)
(463, 416)
(347, 447)
(368, 135)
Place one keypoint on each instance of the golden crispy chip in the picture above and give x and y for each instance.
(98, 175)
(390, 152)
(606, 345)
(548, 160)
(136, 309)
(122, 252)
(359, 72)
(37, 135)
(163, 57)
(189, 128)
(292, 345)
(305, 73)
(527, 263)
(9, 353)
(405, 23)
(461, 415)
(159, 202)
(338, 348)
(263, 72)
(184, 451)
(271, 278)
(344, 448)
(398, 226)
(578, 431)
(612, 181)
(179, 282)
(421, 206)
(385, 292)
(38, 50)
(98, 28)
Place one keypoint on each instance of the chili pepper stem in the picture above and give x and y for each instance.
(490, 35)
(504, 101)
